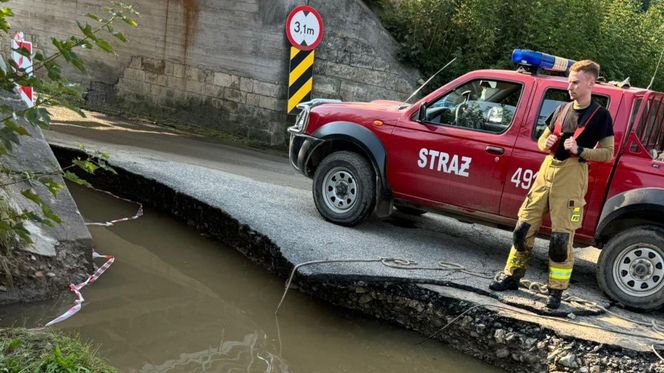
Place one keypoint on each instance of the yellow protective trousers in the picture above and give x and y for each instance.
(559, 189)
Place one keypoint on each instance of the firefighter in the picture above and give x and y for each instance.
(572, 133)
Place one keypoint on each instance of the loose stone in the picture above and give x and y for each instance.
(568, 361)
(553, 355)
(499, 336)
(365, 298)
(467, 320)
(502, 353)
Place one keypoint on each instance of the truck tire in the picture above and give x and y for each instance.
(410, 210)
(631, 268)
(344, 188)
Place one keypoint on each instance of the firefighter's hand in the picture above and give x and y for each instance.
(551, 140)
(571, 145)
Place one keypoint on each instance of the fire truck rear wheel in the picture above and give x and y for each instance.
(631, 268)
(344, 188)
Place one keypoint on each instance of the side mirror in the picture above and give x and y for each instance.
(422, 113)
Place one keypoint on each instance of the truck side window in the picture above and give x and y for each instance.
(480, 105)
(552, 99)
(650, 130)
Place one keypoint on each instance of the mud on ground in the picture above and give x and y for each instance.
(27, 277)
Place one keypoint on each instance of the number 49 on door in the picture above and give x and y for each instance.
(523, 178)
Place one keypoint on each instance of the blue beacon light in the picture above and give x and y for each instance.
(541, 60)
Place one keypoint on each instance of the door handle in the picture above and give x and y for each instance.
(495, 150)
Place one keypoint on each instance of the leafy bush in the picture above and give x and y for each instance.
(625, 37)
(54, 89)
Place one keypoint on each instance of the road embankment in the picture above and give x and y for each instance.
(273, 226)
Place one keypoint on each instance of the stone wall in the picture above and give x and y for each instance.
(223, 64)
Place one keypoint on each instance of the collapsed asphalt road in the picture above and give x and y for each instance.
(261, 191)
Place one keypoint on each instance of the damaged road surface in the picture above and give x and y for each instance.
(429, 273)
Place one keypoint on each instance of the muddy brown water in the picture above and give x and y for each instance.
(175, 301)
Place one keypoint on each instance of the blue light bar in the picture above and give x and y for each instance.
(541, 60)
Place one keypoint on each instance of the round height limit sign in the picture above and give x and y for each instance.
(304, 28)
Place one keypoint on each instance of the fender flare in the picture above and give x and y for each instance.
(362, 138)
(630, 203)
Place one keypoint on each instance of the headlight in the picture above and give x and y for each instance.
(302, 118)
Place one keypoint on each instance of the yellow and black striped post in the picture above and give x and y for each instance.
(300, 77)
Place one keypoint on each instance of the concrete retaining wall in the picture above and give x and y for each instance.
(223, 64)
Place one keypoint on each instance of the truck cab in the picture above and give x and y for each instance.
(469, 149)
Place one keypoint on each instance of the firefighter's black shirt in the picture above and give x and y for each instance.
(600, 126)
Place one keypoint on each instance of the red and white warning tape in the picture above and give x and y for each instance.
(138, 214)
(77, 289)
(109, 260)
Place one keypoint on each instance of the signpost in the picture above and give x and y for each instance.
(25, 63)
(304, 29)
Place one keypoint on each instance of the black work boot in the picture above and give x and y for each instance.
(505, 283)
(554, 298)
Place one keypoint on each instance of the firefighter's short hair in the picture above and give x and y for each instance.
(587, 66)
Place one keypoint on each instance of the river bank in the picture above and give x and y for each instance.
(479, 325)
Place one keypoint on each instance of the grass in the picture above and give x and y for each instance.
(24, 350)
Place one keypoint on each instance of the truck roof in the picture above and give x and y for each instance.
(511, 73)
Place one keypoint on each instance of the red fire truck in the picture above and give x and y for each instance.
(469, 149)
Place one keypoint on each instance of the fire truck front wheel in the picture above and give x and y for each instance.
(344, 188)
(631, 268)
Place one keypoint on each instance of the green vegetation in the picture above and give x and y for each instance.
(54, 89)
(625, 37)
(7, 238)
(23, 350)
